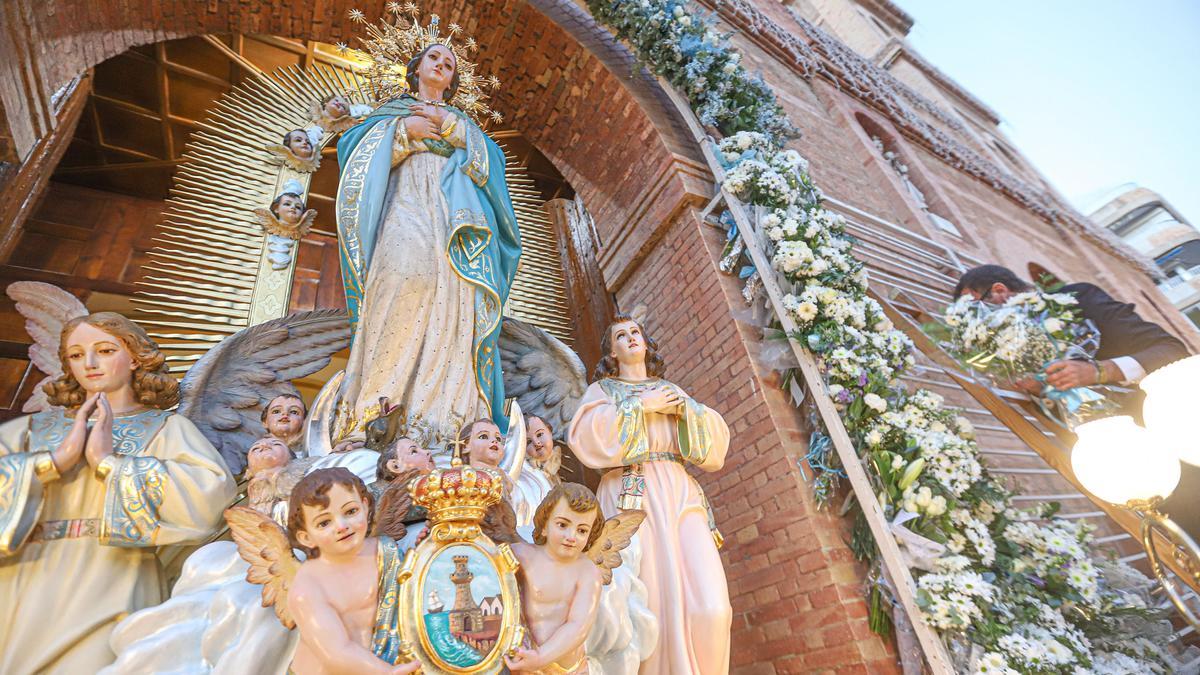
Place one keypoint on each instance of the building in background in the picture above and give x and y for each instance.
(100, 101)
(1148, 222)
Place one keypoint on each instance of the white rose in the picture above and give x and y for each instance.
(937, 506)
(965, 428)
(874, 437)
(924, 498)
(835, 389)
(685, 21)
(875, 402)
(1053, 325)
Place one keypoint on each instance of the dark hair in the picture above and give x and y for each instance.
(579, 499)
(464, 436)
(529, 418)
(275, 204)
(980, 279)
(413, 79)
(267, 407)
(382, 472)
(607, 367)
(313, 490)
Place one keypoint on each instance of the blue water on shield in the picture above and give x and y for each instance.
(452, 650)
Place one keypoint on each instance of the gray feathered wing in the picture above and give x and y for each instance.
(543, 374)
(46, 308)
(224, 393)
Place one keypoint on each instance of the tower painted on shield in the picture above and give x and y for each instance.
(466, 616)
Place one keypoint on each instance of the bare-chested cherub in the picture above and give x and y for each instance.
(560, 586)
(343, 597)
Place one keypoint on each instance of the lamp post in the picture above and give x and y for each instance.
(1135, 467)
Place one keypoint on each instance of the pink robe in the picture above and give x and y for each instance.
(680, 563)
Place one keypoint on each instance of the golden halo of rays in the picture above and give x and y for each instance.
(389, 45)
(199, 279)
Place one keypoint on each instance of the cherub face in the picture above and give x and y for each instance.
(540, 442)
(338, 529)
(285, 417)
(628, 344)
(409, 455)
(567, 531)
(266, 453)
(486, 445)
(337, 107)
(99, 361)
(437, 67)
(290, 210)
(299, 143)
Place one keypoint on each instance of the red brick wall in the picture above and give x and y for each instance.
(797, 593)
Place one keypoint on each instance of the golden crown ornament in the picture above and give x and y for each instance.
(389, 45)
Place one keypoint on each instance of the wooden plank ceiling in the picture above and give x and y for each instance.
(146, 102)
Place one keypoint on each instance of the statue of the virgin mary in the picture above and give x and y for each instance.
(429, 240)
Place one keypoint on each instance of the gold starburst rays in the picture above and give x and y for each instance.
(206, 277)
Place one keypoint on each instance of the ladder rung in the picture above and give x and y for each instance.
(1047, 498)
(1014, 470)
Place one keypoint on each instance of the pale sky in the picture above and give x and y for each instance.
(1095, 93)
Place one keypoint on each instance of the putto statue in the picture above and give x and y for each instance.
(560, 586)
(90, 494)
(298, 151)
(429, 237)
(646, 430)
(286, 222)
(343, 598)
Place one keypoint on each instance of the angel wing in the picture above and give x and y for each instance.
(288, 158)
(46, 308)
(263, 543)
(396, 505)
(542, 373)
(223, 394)
(615, 535)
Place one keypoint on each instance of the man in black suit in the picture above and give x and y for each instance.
(1130, 348)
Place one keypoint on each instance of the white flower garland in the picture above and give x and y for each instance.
(1019, 586)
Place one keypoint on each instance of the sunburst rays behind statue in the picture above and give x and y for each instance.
(205, 279)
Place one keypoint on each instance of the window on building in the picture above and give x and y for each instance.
(1193, 313)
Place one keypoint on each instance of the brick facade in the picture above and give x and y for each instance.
(797, 593)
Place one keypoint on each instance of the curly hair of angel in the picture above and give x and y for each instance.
(152, 382)
(313, 490)
(608, 367)
(413, 79)
(579, 499)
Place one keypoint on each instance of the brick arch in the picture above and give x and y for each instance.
(568, 86)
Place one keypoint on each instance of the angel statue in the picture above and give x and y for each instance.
(646, 430)
(285, 222)
(560, 587)
(214, 620)
(344, 596)
(548, 380)
(334, 114)
(429, 238)
(92, 490)
(298, 151)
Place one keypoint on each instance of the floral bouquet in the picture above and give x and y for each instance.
(1018, 339)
